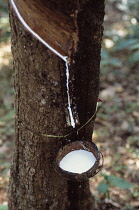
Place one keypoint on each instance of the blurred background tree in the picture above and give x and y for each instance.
(116, 130)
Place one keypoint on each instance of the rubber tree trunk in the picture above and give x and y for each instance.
(40, 95)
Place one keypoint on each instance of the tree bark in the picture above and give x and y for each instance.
(41, 104)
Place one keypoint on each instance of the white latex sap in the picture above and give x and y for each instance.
(65, 58)
(78, 161)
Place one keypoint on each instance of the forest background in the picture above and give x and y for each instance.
(116, 129)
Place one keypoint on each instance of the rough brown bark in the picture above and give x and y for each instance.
(40, 97)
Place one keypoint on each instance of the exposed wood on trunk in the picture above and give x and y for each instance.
(55, 28)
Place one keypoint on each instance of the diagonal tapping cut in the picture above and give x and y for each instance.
(61, 47)
(54, 29)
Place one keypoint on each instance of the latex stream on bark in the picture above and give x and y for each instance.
(65, 58)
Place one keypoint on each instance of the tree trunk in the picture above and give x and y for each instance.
(41, 107)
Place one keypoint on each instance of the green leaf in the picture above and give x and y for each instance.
(134, 46)
(104, 174)
(126, 44)
(115, 62)
(103, 187)
(119, 182)
(134, 57)
(104, 54)
(3, 207)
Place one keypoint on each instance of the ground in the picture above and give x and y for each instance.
(116, 130)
